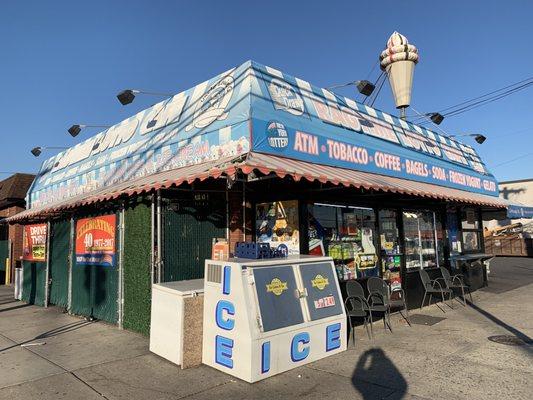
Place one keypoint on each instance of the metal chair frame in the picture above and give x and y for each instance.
(357, 307)
(380, 287)
(432, 286)
(451, 283)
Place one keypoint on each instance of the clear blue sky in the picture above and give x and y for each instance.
(62, 62)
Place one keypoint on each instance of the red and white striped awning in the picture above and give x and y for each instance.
(266, 164)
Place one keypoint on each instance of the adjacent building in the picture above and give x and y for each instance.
(12, 201)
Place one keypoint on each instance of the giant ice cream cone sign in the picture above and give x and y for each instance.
(398, 60)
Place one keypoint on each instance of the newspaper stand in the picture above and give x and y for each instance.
(263, 317)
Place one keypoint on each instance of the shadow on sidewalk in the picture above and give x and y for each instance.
(374, 366)
(53, 332)
(519, 334)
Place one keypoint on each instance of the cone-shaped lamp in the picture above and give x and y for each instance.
(399, 60)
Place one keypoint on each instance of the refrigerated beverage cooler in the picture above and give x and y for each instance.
(264, 317)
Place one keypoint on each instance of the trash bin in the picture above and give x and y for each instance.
(176, 321)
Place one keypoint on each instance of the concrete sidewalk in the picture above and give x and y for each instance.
(69, 358)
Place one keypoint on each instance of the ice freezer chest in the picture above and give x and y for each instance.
(263, 317)
(175, 329)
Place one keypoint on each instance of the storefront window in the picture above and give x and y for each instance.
(420, 243)
(347, 235)
(391, 256)
(439, 231)
(277, 223)
(471, 232)
(454, 240)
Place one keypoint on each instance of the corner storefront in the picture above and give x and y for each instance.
(252, 154)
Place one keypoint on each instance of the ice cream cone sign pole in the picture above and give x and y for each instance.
(398, 60)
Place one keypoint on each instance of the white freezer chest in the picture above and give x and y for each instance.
(168, 316)
(263, 317)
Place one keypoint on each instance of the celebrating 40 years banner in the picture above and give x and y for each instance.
(95, 240)
(34, 242)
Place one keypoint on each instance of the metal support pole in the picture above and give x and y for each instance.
(121, 269)
(152, 241)
(244, 212)
(159, 230)
(10, 271)
(71, 261)
(47, 272)
(227, 214)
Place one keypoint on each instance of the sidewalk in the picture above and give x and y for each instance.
(451, 359)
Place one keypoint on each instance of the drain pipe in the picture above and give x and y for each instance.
(121, 270)
(159, 230)
(71, 262)
(244, 211)
(47, 273)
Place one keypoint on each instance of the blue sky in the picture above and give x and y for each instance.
(63, 62)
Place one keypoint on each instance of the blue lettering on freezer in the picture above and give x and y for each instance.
(299, 339)
(224, 351)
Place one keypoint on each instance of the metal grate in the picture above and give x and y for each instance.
(214, 273)
(428, 320)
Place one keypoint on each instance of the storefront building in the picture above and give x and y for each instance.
(252, 154)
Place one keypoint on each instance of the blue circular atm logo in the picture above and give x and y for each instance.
(277, 135)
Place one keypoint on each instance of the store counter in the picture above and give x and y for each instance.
(264, 317)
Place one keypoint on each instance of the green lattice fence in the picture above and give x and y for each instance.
(59, 260)
(137, 286)
(33, 285)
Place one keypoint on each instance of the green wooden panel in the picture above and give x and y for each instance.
(59, 260)
(95, 290)
(33, 284)
(137, 277)
(4, 253)
(188, 232)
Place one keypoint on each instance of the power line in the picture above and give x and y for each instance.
(484, 99)
(383, 78)
(513, 159)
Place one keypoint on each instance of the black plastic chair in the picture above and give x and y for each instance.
(357, 307)
(456, 282)
(380, 293)
(433, 287)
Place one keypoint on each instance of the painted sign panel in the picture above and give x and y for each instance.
(205, 123)
(519, 211)
(34, 242)
(95, 240)
(293, 119)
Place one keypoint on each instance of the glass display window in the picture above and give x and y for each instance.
(391, 255)
(454, 239)
(277, 223)
(347, 234)
(471, 230)
(420, 239)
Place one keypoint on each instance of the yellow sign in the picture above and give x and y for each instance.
(320, 282)
(276, 286)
